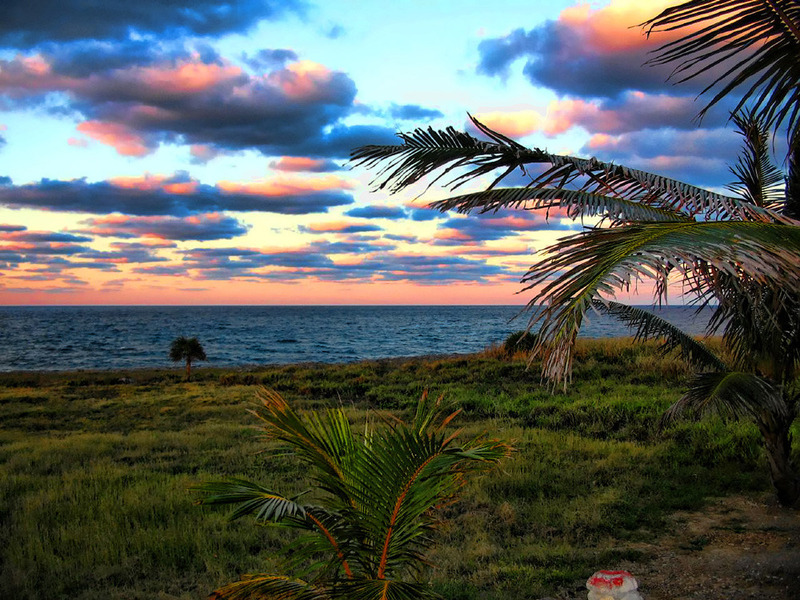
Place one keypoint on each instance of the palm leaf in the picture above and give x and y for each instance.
(324, 443)
(426, 151)
(576, 203)
(758, 180)
(382, 589)
(731, 394)
(581, 268)
(254, 499)
(651, 326)
(418, 467)
(259, 587)
(791, 207)
(754, 43)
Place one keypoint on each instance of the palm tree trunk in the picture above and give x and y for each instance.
(778, 444)
(188, 369)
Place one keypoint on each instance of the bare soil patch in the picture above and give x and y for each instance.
(736, 548)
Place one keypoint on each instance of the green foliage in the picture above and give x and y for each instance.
(519, 341)
(95, 469)
(370, 525)
(187, 349)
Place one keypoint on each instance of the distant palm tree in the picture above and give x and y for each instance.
(368, 523)
(739, 253)
(187, 349)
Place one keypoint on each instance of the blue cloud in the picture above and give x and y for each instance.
(26, 23)
(104, 197)
(413, 112)
(377, 212)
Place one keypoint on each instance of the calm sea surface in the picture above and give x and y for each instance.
(121, 337)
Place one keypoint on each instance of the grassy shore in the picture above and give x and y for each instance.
(95, 470)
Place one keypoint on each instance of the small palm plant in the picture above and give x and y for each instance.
(369, 526)
(188, 349)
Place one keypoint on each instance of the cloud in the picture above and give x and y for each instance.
(334, 32)
(120, 137)
(478, 228)
(377, 212)
(631, 111)
(511, 123)
(15, 234)
(7, 228)
(202, 153)
(179, 195)
(587, 52)
(308, 262)
(26, 23)
(340, 227)
(267, 60)
(424, 214)
(126, 253)
(304, 164)
(293, 110)
(413, 112)
(201, 227)
(700, 156)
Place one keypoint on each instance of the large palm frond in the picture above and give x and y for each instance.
(753, 44)
(651, 326)
(734, 394)
(582, 267)
(588, 186)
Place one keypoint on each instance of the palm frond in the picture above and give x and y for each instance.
(651, 326)
(754, 43)
(584, 181)
(252, 498)
(325, 443)
(732, 394)
(791, 207)
(259, 587)
(382, 589)
(575, 203)
(760, 323)
(758, 179)
(425, 151)
(583, 267)
(419, 467)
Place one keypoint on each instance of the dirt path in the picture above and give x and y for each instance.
(736, 548)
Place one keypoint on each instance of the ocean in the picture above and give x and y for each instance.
(55, 338)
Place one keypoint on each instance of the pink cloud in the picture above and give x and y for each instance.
(291, 109)
(286, 185)
(125, 141)
(202, 153)
(513, 123)
(302, 163)
(612, 29)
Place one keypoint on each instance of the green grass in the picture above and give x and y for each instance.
(95, 470)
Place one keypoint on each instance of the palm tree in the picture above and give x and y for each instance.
(738, 253)
(188, 349)
(369, 524)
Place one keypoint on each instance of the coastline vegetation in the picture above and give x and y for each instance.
(96, 470)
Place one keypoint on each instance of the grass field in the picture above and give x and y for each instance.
(95, 471)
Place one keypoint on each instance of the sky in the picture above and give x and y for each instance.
(196, 151)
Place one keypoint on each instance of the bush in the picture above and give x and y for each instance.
(519, 341)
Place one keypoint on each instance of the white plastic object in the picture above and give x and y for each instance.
(613, 585)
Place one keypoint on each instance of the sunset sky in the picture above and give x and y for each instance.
(195, 151)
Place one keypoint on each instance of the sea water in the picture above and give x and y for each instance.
(123, 337)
